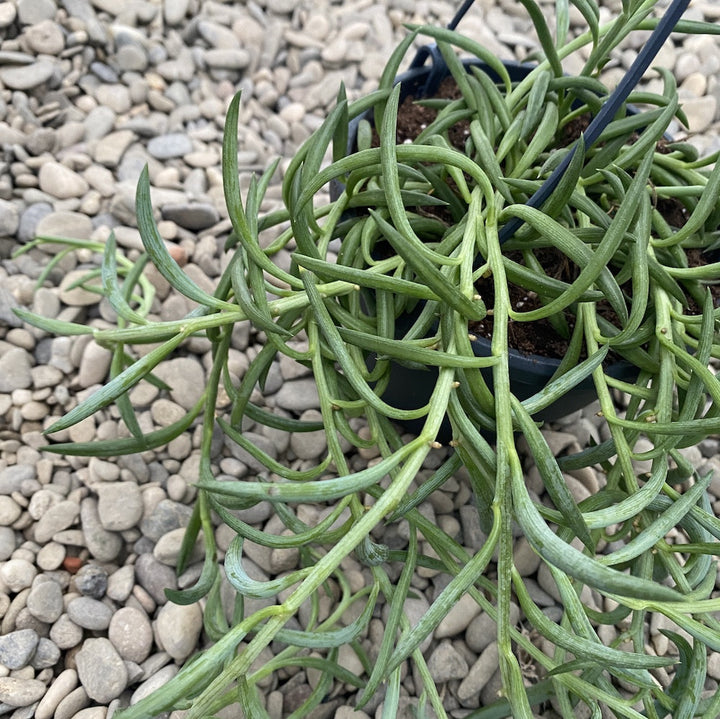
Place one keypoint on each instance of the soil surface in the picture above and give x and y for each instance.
(538, 337)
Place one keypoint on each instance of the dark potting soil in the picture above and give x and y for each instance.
(537, 337)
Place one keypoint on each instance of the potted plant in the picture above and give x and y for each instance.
(407, 266)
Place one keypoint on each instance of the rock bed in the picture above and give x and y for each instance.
(89, 93)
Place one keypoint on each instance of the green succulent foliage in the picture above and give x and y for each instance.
(346, 300)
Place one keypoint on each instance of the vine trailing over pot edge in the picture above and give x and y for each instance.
(349, 301)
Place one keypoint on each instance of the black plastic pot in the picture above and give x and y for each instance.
(411, 388)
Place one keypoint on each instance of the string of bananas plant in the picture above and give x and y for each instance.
(636, 296)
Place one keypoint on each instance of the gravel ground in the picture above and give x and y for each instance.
(89, 93)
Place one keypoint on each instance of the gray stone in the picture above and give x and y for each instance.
(101, 670)
(64, 683)
(480, 673)
(46, 655)
(17, 648)
(27, 77)
(29, 219)
(57, 518)
(227, 59)
(35, 11)
(11, 478)
(65, 633)
(131, 58)
(10, 510)
(94, 365)
(480, 632)
(72, 704)
(298, 395)
(131, 634)
(15, 370)
(8, 13)
(166, 516)
(103, 545)
(191, 215)
(309, 445)
(458, 618)
(16, 692)
(8, 542)
(45, 601)
(120, 505)
(91, 580)
(7, 304)
(115, 96)
(99, 122)
(17, 574)
(178, 629)
(89, 613)
(446, 663)
(154, 577)
(65, 224)
(110, 150)
(168, 548)
(281, 7)
(155, 681)
(168, 146)
(45, 37)
(9, 218)
(186, 379)
(175, 11)
(120, 583)
(60, 181)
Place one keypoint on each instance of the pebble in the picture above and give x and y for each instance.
(15, 366)
(9, 218)
(72, 704)
(27, 77)
(55, 519)
(16, 692)
(9, 511)
(64, 223)
(480, 673)
(91, 580)
(165, 147)
(154, 577)
(45, 601)
(46, 655)
(175, 10)
(120, 505)
(17, 574)
(446, 663)
(155, 681)
(45, 37)
(65, 633)
(102, 544)
(89, 613)
(60, 181)
(298, 395)
(17, 648)
(131, 634)
(458, 618)
(63, 684)
(101, 670)
(178, 628)
(120, 583)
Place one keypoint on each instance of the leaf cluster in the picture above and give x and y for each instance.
(385, 275)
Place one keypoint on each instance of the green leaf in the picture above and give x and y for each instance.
(248, 587)
(127, 379)
(111, 288)
(128, 445)
(56, 327)
(552, 476)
